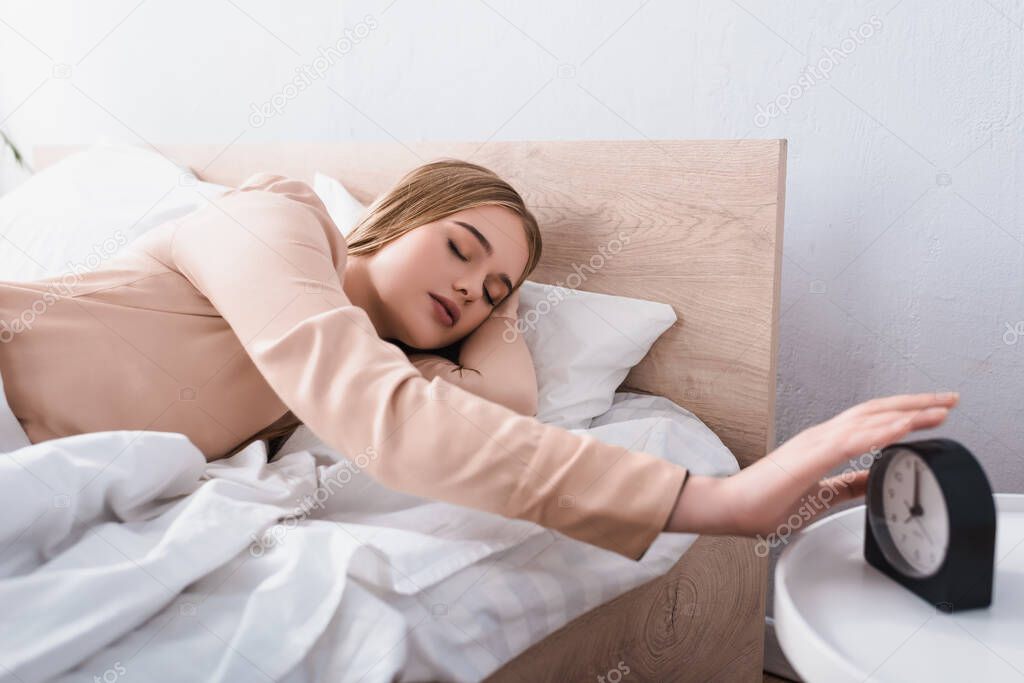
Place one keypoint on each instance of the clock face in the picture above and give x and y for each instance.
(913, 534)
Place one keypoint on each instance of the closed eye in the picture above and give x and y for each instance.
(455, 250)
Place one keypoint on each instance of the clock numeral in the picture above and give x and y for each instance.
(892, 493)
(898, 476)
(892, 517)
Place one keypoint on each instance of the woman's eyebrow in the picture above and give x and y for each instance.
(479, 235)
(487, 247)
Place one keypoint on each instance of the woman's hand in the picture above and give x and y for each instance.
(497, 353)
(759, 499)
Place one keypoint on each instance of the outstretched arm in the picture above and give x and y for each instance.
(494, 362)
(271, 262)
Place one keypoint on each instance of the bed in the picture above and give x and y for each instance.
(706, 221)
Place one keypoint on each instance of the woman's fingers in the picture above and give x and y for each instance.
(898, 424)
(861, 430)
(915, 419)
(906, 402)
(841, 488)
(878, 431)
(848, 486)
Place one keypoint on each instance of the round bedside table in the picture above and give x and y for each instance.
(839, 619)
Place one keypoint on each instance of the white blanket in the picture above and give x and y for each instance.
(127, 555)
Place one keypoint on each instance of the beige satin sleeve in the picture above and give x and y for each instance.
(263, 257)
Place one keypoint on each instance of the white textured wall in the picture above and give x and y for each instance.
(904, 250)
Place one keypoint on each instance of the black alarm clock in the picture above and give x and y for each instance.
(931, 522)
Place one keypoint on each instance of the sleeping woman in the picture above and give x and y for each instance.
(254, 314)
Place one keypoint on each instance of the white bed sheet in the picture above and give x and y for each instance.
(126, 554)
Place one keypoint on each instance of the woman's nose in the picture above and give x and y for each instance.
(466, 290)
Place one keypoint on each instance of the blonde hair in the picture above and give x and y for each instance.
(426, 194)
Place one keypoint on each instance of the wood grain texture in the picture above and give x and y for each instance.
(697, 224)
(702, 621)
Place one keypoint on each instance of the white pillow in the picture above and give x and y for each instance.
(344, 209)
(83, 209)
(583, 344)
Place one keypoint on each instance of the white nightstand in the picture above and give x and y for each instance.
(839, 619)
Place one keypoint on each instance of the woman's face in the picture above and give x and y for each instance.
(471, 258)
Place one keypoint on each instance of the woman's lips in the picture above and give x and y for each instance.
(441, 313)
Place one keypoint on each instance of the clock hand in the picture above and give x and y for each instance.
(916, 509)
(927, 535)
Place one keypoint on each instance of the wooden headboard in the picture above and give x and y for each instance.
(700, 224)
